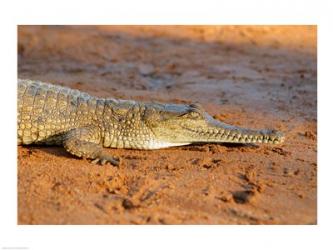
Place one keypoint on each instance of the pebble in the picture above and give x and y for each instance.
(146, 69)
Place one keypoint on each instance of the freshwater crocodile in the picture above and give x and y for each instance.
(84, 124)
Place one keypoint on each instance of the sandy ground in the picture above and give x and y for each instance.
(253, 76)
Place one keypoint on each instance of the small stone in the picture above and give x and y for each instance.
(243, 197)
(128, 204)
(287, 172)
(170, 167)
(207, 166)
(300, 195)
(225, 196)
(146, 69)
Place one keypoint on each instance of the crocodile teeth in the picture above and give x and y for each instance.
(242, 139)
(224, 137)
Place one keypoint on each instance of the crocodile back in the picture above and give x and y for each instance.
(46, 111)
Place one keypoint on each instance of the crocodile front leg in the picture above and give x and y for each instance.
(84, 142)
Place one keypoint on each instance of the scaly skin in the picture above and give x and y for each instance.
(84, 124)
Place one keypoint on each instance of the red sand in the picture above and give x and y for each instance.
(253, 76)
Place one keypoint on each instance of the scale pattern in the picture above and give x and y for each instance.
(84, 124)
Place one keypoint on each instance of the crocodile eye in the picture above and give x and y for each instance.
(195, 111)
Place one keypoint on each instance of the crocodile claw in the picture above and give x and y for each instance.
(104, 159)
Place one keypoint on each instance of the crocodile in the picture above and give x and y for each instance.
(83, 124)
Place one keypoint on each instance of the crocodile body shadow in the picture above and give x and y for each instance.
(84, 124)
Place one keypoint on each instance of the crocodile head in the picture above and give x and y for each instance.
(174, 125)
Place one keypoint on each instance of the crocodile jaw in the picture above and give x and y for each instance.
(214, 131)
(218, 131)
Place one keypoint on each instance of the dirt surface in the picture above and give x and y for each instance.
(253, 76)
